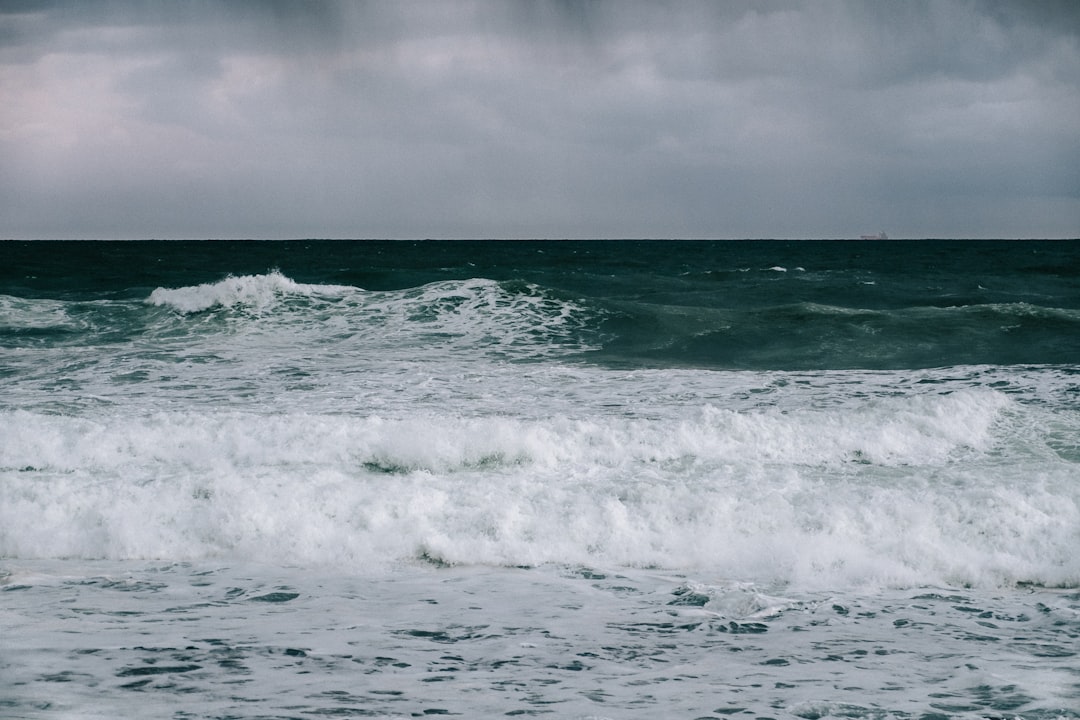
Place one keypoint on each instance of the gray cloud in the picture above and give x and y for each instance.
(552, 119)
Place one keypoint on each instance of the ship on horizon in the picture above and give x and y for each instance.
(879, 236)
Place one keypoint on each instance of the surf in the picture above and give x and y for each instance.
(880, 494)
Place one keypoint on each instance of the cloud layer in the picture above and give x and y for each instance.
(543, 119)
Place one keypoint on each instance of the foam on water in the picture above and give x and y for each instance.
(904, 491)
(24, 314)
(106, 639)
(252, 291)
(923, 430)
(461, 315)
(588, 479)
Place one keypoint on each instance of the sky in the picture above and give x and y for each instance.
(539, 119)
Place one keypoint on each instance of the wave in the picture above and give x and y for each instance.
(517, 320)
(257, 292)
(509, 317)
(814, 336)
(916, 431)
(25, 320)
(916, 490)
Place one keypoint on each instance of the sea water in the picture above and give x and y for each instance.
(578, 479)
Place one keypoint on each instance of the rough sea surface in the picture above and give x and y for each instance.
(617, 479)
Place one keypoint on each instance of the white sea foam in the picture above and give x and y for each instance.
(919, 431)
(908, 491)
(35, 314)
(460, 315)
(253, 291)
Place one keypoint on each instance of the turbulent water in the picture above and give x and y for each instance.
(583, 479)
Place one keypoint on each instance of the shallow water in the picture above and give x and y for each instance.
(106, 639)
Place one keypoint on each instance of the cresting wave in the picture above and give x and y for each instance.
(257, 292)
(519, 320)
(515, 318)
(911, 491)
(916, 431)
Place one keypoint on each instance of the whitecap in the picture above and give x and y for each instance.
(252, 291)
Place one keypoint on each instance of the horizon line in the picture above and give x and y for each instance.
(530, 239)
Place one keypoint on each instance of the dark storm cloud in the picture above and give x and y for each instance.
(551, 118)
(31, 30)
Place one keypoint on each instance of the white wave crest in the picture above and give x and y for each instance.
(510, 319)
(252, 291)
(917, 491)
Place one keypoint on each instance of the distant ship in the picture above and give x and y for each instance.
(879, 236)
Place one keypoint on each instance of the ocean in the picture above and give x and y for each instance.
(575, 479)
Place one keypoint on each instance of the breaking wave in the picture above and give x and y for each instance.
(897, 493)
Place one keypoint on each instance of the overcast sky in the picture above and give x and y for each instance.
(542, 118)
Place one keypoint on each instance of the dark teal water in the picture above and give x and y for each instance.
(783, 305)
